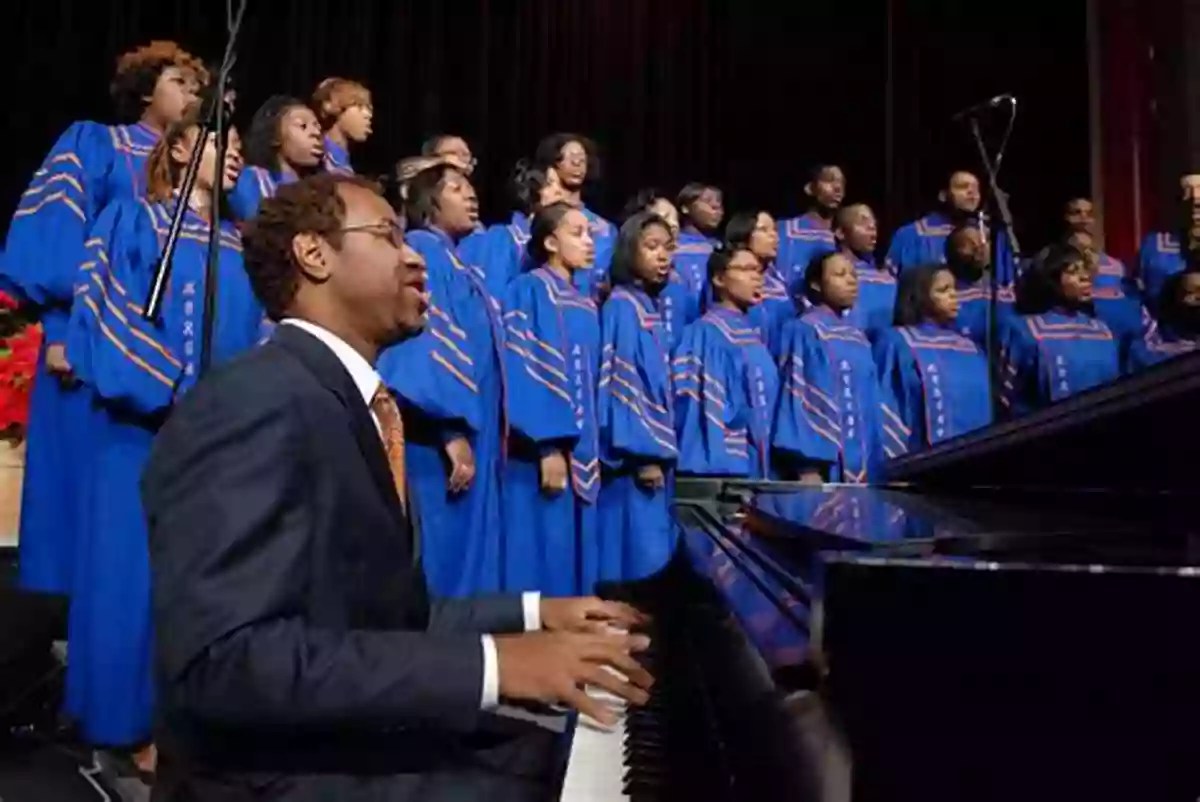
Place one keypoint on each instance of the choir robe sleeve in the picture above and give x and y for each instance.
(46, 236)
(434, 373)
(500, 257)
(1018, 368)
(903, 251)
(807, 421)
(540, 380)
(634, 398)
(711, 413)
(125, 359)
(901, 400)
(247, 195)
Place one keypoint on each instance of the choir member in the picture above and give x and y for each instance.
(1178, 330)
(968, 256)
(1055, 346)
(757, 232)
(701, 209)
(134, 371)
(637, 436)
(803, 238)
(344, 110)
(89, 166)
(453, 149)
(552, 357)
(857, 234)
(674, 303)
(923, 241)
(501, 251)
(1164, 253)
(451, 388)
(1116, 301)
(724, 378)
(934, 380)
(827, 426)
(404, 172)
(574, 158)
(284, 143)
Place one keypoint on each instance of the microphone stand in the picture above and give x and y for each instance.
(992, 169)
(213, 121)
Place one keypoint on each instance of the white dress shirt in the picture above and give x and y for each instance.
(367, 380)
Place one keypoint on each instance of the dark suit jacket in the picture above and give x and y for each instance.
(299, 654)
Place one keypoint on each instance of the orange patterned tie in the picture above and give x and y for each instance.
(392, 431)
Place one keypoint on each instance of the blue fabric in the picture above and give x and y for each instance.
(89, 166)
(552, 358)
(133, 371)
(636, 535)
(829, 406)
(1049, 357)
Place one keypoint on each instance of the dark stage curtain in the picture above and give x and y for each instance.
(746, 94)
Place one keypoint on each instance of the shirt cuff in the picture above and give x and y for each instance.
(531, 604)
(490, 697)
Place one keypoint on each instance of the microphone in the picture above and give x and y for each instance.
(990, 103)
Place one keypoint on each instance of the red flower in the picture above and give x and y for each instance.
(18, 365)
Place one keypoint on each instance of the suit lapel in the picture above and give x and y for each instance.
(322, 362)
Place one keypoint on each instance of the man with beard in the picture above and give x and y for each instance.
(968, 257)
(923, 241)
(803, 238)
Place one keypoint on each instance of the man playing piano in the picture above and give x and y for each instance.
(299, 655)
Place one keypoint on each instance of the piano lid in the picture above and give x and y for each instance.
(1139, 432)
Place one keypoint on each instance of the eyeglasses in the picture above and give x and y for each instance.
(390, 231)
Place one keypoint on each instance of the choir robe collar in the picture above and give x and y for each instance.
(732, 317)
(337, 158)
(443, 238)
(815, 222)
(520, 222)
(142, 134)
(824, 314)
(560, 284)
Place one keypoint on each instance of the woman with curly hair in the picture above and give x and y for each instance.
(133, 371)
(344, 109)
(283, 144)
(91, 165)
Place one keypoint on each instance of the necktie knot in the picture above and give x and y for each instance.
(391, 429)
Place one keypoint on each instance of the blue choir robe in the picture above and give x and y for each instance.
(604, 237)
(674, 305)
(875, 308)
(253, 185)
(829, 407)
(923, 242)
(690, 260)
(450, 382)
(552, 358)
(337, 158)
(1049, 357)
(726, 386)
(1159, 258)
(802, 239)
(134, 371)
(1117, 301)
(500, 252)
(933, 386)
(89, 166)
(974, 303)
(771, 313)
(634, 409)
(1163, 344)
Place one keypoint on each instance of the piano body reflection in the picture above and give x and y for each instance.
(923, 641)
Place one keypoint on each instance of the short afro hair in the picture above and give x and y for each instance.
(138, 71)
(311, 205)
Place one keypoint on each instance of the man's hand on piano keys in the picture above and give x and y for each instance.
(589, 614)
(556, 668)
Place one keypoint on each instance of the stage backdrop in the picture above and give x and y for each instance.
(745, 94)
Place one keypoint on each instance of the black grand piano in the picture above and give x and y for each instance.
(1015, 617)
